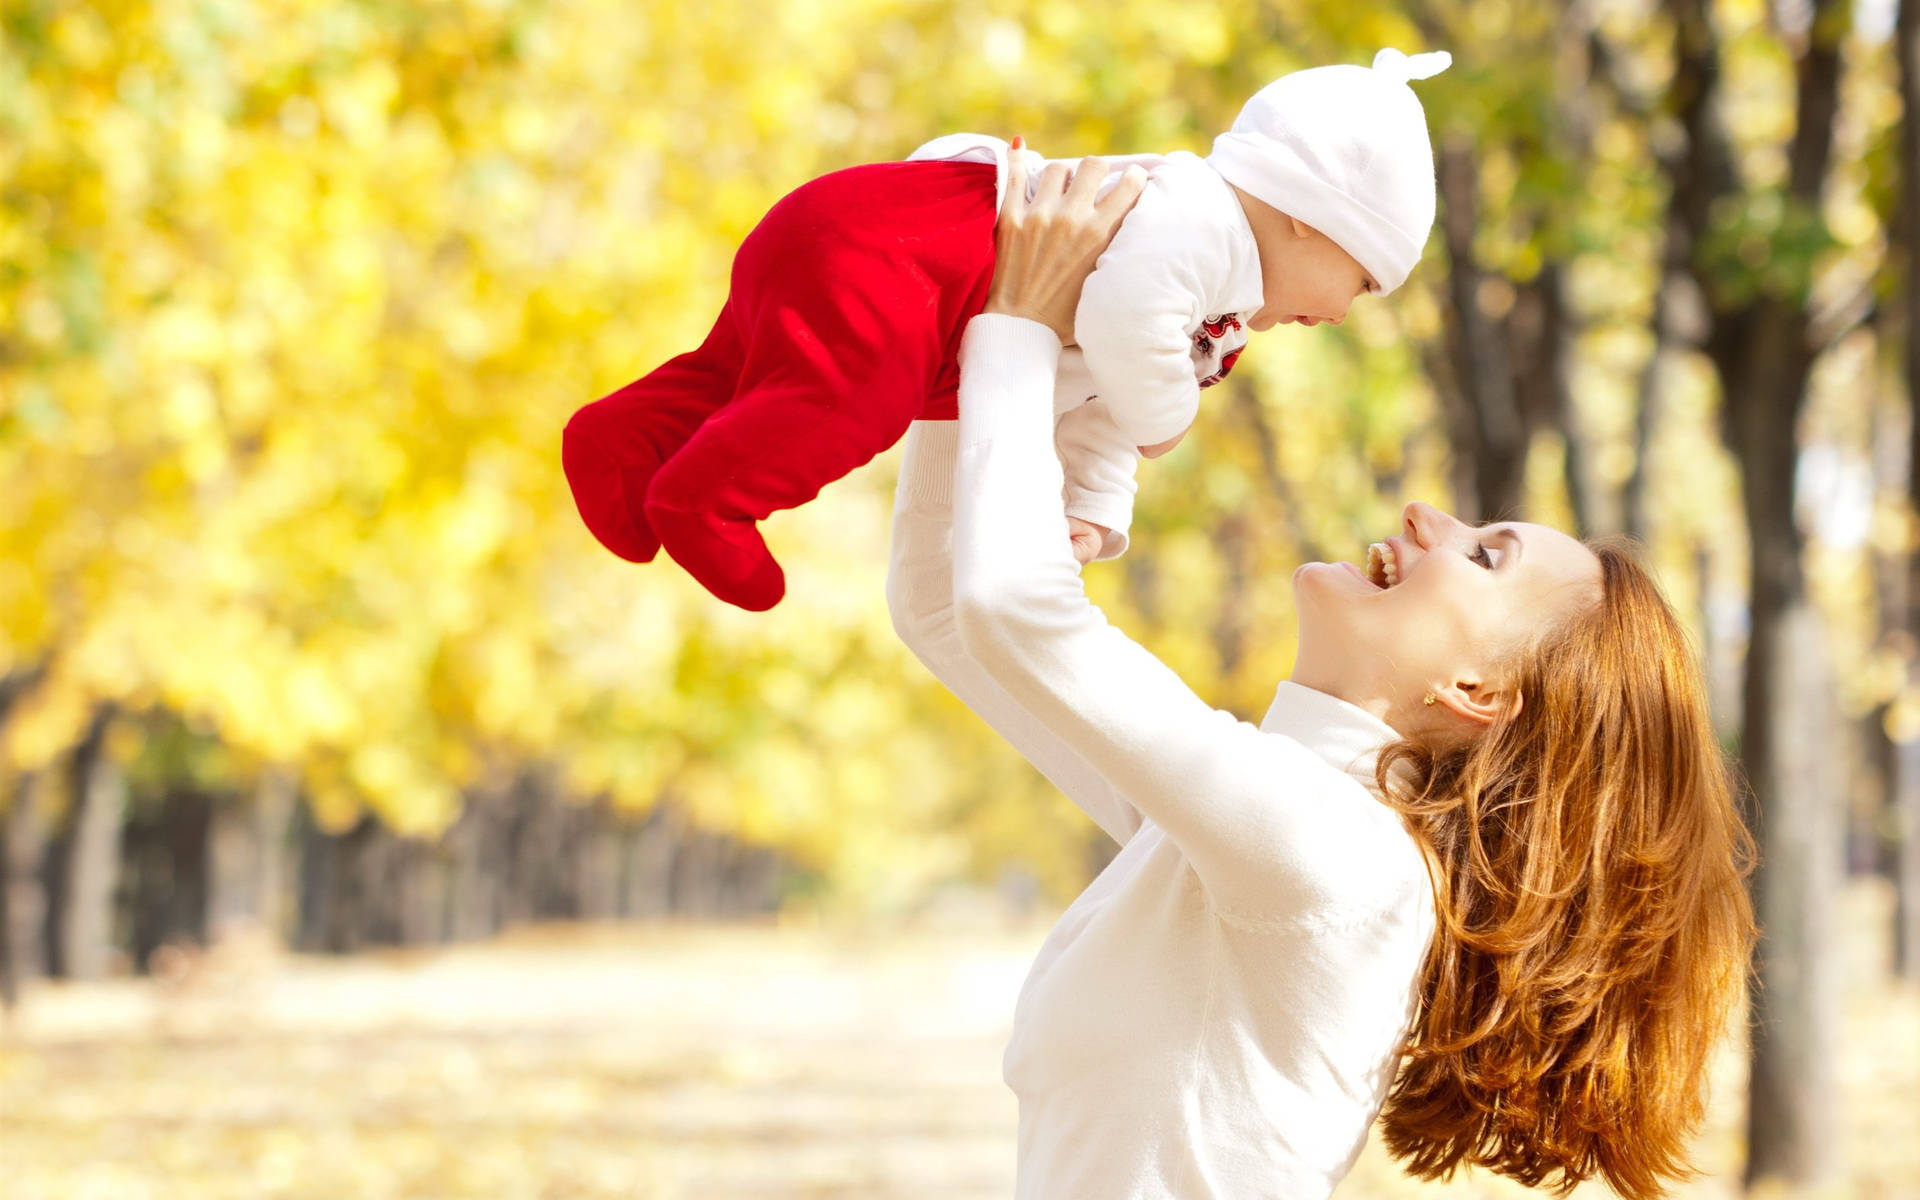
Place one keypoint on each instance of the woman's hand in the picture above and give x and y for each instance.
(1045, 248)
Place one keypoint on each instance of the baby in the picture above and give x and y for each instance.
(848, 300)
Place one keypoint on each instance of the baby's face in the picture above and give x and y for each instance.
(1305, 278)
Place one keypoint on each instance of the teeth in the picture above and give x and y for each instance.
(1382, 567)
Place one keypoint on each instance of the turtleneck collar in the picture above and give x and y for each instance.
(1346, 736)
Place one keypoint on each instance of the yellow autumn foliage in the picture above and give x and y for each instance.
(295, 298)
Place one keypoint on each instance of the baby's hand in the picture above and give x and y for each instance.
(1087, 539)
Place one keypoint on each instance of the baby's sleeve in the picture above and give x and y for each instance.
(1098, 462)
(1139, 308)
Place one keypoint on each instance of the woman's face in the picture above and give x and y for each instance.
(1437, 609)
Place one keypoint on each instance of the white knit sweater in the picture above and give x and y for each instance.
(1219, 1014)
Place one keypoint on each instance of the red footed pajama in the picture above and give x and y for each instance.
(841, 327)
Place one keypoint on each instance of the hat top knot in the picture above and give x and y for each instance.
(1400, 68)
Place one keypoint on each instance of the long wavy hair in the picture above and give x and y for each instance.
(1594, 929)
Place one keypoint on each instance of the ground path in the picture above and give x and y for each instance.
(664, 1063)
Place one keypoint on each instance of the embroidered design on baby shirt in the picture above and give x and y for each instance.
(1216, 347)
(1226, 364)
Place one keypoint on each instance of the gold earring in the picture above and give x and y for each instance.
(1430, 700)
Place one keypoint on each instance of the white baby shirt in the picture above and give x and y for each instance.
(1161, 317)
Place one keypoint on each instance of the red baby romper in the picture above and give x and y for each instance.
(841, 327)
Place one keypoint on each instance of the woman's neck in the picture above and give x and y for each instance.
(1365, 694)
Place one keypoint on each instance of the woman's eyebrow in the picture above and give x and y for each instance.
(1513, 535)
(1508, 532)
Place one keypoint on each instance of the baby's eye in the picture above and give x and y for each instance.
(1481, 556)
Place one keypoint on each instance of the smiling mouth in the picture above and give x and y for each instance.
(1383, 565)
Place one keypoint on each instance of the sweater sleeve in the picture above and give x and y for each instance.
(920, 600)
(1099, 464)
(1258, 815)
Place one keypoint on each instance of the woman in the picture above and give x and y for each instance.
(1479, 864)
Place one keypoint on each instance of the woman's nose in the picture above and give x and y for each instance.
(1423, 522)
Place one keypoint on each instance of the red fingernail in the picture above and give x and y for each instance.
(1019, 143)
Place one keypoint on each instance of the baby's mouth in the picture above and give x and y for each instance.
(1383, 565)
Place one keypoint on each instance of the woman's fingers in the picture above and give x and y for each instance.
(1016, 198)
(1046, 246)
(1132, 182)
(1106, 213)
(1088, 175)
(1053, 182)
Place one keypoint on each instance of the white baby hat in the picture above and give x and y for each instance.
(1344, 149)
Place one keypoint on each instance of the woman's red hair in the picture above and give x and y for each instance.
(1588, 865)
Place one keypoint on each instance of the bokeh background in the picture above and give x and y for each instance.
(369, 832)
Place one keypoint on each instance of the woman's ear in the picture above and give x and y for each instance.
(1474, 701)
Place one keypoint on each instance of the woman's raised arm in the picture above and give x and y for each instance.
(920, 567)
(920, 600)
(1234, 799)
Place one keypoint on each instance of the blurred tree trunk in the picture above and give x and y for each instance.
(542, 876)
(1545, 335)
(89, 855)
(1904, 781)
(1763, 350)
(23, 898)
(162, 893)
(330, 917)
(1489, 432)
(1882, 728)
(1679, 318)
(1676, 321)
(648, 850)
(1906, 860)
(370, 886)
(427, 883)
(521, 851)
(247, 854)
(405, 890)
(698, 878)
(479, 856)
(1502, 377)
(599, 879)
